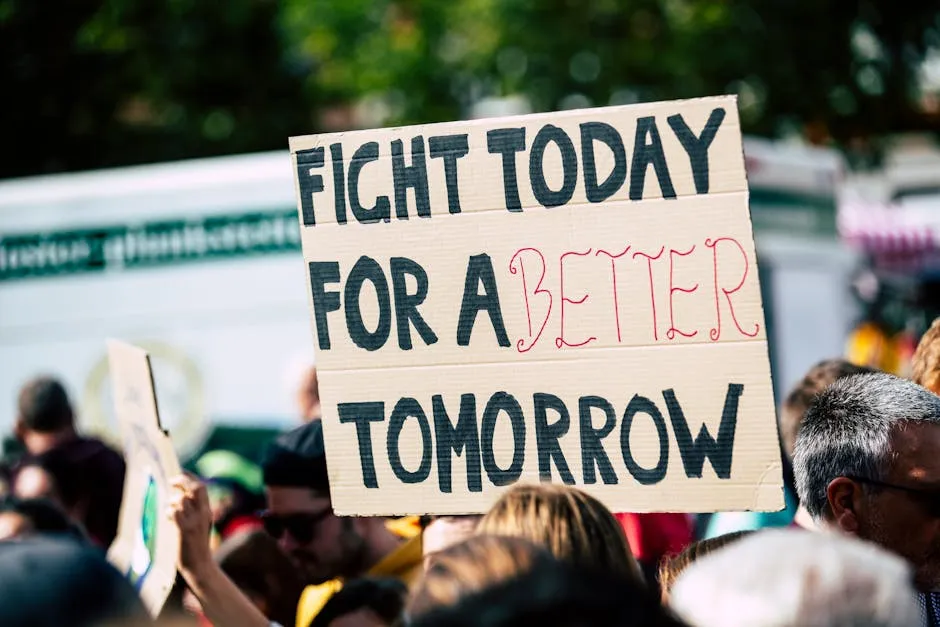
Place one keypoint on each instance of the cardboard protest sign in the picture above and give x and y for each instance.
(569, 297)
(147, 544)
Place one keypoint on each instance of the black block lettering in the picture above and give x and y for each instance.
(409, 408)
(503, 402)
(592, 449)
(367, 269)
(362, 415)
(546, 436)
(480, 270)
(413, 176)
(546, 196)
(697, 147)
(321, 273)
(646, 476)
(382, 209)
(646, 153)
(406, 305)
(339, 182)
(717, 450)
(458, 439)
(450, 148)
(507, 142)
(308, 183)
(607, 134)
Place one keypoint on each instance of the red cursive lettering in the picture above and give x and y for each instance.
(671, 333)
(560, 340)
(613, 272)
(649, 266)
(521, 344)
(715, 333)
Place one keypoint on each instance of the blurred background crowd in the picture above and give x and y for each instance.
(147, 194)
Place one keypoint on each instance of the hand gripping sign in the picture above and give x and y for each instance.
(567, 297)
(147, 544)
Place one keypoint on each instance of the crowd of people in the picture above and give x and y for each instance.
(858, 543)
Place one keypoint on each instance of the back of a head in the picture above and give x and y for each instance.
(256, 564)
(44, 406)
(801, 397)
(673, 566)
(789, 578)
(925, 367)
(570, 523)
(46, 582)
(297, 459)
(381, 600)
(556, 595)
(472, 565)
(847, 431)
(87, 479)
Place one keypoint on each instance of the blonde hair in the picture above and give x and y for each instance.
(925, 367)
(573, 525)
(672, 566)
(470, 566)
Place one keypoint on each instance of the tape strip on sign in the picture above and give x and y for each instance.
(569, 297)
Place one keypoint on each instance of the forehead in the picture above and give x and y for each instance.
(915, 451)
(287, 500)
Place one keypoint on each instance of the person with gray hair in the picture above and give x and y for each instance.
(867, 463)
(790, 578)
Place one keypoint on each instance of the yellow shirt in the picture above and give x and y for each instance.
(404, 564)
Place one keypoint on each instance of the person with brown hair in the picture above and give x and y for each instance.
(672, 566)
(471, 566)
(365, 602)
(574, 526)
(556, 595)
(82, 474)
(925, 369)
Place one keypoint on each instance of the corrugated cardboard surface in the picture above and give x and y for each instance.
(672, 303)
(148, 453)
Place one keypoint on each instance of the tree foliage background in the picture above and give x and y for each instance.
(96, 83)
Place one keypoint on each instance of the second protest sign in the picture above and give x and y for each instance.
(570, 297)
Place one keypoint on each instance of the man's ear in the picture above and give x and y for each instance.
(845, 499)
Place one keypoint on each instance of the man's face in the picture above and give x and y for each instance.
(902, 521)
(328, 546)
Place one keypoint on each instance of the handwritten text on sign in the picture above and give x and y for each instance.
(569, 297)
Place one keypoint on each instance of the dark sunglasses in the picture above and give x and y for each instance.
(928, 498)
(301, 527)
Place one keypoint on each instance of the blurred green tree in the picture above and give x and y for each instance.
(93, 83)
(96, 83)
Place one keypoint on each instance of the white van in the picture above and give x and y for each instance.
(197, 261)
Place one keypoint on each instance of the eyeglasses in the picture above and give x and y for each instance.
(301, 527)
(929, 498)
